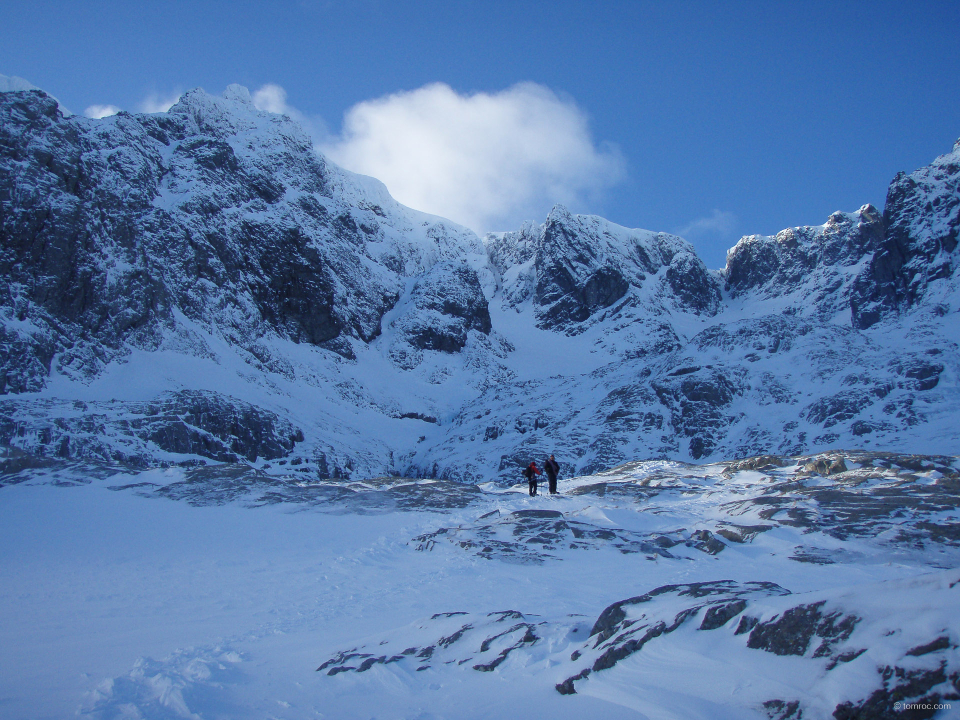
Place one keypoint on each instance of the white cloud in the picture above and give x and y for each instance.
(12, 83)
(155, 103)
(720, 223)
(273, 98)
(488, 161)
(101, 111)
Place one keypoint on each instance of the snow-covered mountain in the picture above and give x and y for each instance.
(201, 285)
(219, 352)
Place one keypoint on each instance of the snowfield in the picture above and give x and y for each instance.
(655, 590)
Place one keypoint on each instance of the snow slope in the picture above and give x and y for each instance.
(198, 593)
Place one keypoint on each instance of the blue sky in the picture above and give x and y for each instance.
(713, 118)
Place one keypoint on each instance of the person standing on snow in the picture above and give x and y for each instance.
(531, 473)
(553, 469)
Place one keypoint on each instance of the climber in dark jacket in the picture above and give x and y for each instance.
(553, 469)
(531, 473)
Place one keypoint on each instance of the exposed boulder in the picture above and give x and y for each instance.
(825, 466)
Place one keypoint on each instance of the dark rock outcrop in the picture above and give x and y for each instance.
(813, 268)
(791, 633)
(573, 279)
(922, 219)
(698, 400)
(489, 639)
(445, 305)
(579, 266)
(905, 693)
(188, 423)
(616, 636)
(113, 229)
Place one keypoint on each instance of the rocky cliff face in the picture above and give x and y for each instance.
(875, 265)
(574, 267)
(444, 306)
(807, 270)
(210, 250)
(806, 345)
(919, 252)
(113, 229)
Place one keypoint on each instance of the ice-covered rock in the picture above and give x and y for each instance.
(806, 270)
(177, 426)
(917, 261)
(574, 266)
